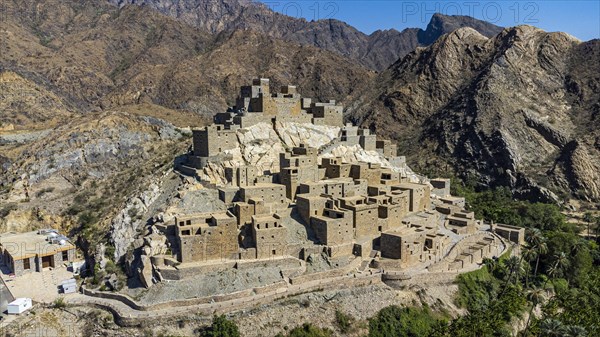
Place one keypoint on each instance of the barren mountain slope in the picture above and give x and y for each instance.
(97, 56)
(375, 51)
(211, 81)
(24, 103)
(519, 110)
(79, 175)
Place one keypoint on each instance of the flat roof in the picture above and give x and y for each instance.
(310, 197)
(451, 197)
(324, 217)
(458, 218)
(25, 245)
(264, 218)
(402, 231)
(201, 215)
(410, 185)
(354, 197)
(222, 215)
(380, 197)
(20, 301)
(262, 185)
(338, 180)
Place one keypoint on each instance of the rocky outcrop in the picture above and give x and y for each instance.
(260, 145)
(294, 134)
(355, 153)
(130, 220)
(514, 110)
(97, 175)
(579, 166)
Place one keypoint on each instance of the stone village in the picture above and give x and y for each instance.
(363, 210)
(359, 209)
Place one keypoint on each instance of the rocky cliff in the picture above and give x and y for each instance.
(519, 109)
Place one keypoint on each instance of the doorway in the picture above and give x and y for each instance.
(48, 261)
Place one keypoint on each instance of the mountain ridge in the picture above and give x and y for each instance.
(503, 110)
(331, 34)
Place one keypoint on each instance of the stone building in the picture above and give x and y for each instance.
(270, 236)
(273, 195)
(35, 251)
(210, 142)
(241, 175)
(333, 227)
(511, 233)
(419, 196)
(299, 166)
(462, 222)
(309, 205)
(441, 187)
(415, 241)
(364, 215)
(207, 236)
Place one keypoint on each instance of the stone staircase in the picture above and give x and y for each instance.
(364, 265)
(469, 250)
(327, 148)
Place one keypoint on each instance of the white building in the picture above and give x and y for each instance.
(19, 306)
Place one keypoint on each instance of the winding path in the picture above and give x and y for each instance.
(127, 315)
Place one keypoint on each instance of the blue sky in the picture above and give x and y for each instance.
(578, 18)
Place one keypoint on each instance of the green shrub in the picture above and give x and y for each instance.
(343, 321)
(59, 303)
(4, 211)
(476, 289)
(221, 327)
(397, 321)
(307, 330)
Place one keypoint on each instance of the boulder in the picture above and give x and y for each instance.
(145, 271)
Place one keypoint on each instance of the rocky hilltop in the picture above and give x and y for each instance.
(375, 51)
(519, 109)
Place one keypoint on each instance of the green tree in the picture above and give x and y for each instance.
(561, 262)
(535, 296)
(552, 328)
(515, 267)
(529, 254)
(221, 327)
(538, 242)
(574, 331)
(578, 306)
